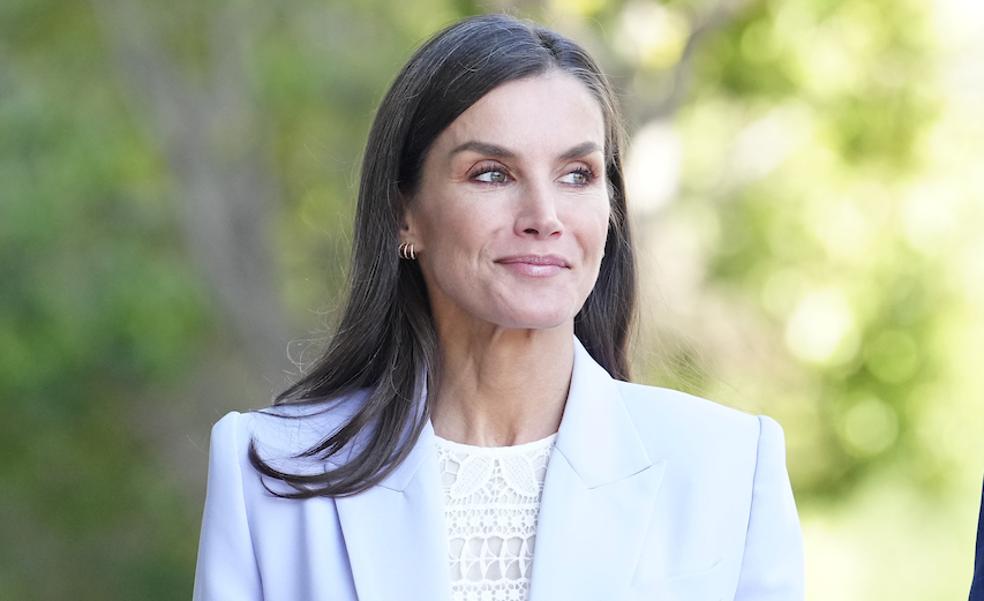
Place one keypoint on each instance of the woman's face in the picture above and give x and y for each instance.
(510, 217)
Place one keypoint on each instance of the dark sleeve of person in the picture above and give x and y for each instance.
(977, 587)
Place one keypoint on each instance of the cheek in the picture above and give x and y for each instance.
(457, 229)
(455, 245)
(593, 232)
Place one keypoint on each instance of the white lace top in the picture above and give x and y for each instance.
(492, 499)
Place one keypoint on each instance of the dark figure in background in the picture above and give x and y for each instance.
(977, 586)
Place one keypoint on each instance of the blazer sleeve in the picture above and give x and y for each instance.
(772, 565)
(226, 568)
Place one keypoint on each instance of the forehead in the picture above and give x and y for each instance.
(545, 112)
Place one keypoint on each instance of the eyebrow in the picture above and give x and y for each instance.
(493, 150)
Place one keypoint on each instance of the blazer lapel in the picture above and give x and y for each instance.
(395, 532)
(598, 495)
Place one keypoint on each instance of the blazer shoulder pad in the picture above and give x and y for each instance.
(283, 432)
(677, 423)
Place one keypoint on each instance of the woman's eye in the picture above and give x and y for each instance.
(492, 176)
(489, 172)
(578, 177)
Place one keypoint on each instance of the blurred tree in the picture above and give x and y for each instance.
(178, 190)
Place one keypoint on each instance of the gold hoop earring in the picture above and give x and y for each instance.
(407, 251)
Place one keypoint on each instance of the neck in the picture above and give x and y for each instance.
(503, 387)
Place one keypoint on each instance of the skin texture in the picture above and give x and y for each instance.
(519, 174)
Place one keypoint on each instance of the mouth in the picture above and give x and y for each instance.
(537, 260)
(535, 266)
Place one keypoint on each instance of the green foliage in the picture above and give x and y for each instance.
(809, 136)
(867, 118)
(96, 305)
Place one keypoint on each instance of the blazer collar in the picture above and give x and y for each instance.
(596, 434)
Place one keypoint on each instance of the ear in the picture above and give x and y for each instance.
(408, 223)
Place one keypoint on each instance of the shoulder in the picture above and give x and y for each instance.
(677, 424)
(281, 432)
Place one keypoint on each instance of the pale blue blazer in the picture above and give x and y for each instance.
(649, 494)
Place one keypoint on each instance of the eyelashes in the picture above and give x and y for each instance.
(585, 175)
(495, 174)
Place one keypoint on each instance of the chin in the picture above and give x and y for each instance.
(535, 319)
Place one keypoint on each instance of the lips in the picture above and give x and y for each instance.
(539, 260)
(535, 266)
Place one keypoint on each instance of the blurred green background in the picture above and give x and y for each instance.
(176, 194)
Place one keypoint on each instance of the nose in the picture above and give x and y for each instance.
(537, 215)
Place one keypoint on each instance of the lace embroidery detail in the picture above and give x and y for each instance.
(492, 499)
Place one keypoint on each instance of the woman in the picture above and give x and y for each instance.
(470, 432)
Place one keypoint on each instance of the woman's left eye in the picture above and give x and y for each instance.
(578, 177)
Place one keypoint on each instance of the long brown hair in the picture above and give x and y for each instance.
(385, 343)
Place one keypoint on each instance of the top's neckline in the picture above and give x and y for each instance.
(526, 446)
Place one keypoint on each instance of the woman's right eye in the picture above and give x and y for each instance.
(490, 174)
(492, 177)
